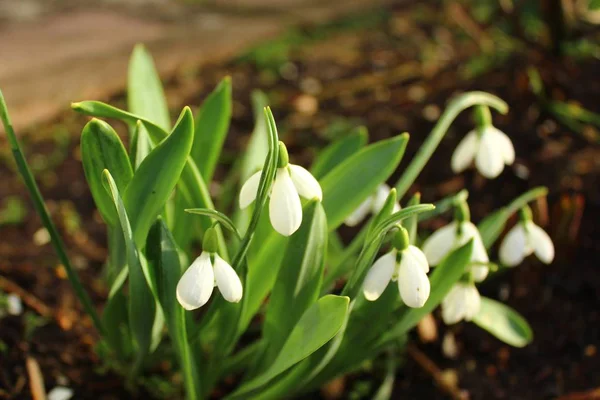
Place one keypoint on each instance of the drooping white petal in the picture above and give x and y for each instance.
(515, 247)
(285, 209)
(541, 243)
(413, 282)
(472, 301)
(228, 281)
(469, 231)
(360, 213)
(479, 272)
(418, 256)
(453, 305)
(249, 190)
(306, 184)
(379, 276)
(489, 160)
(505, 146)
(196, 284)
(439, 244)
(465, 152)
(379, 198)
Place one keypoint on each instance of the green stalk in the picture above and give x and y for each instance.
(40, 207)
(455, 107)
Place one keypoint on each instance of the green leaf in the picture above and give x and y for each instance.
(255, 154)
(40, 208)
(157, 176)
(212, 124)
(101, 149)
(316, 327)
(142, 306)
(258, 145)
(140, 144)
(337, 152)
(219, 216)
(298, 282)
(355, 179)
(165, 261)
(191, 185)
(103, 110)
(504, 323)
(492, 226)
(145, 94)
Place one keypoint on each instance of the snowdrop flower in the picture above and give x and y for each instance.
(490, 147)
(291, 182)
(524, 239)
(454, 235)
(207, 271)
(373, 204)
(406, 264)
(463, 302)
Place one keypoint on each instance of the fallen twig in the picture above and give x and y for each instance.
(432, 369)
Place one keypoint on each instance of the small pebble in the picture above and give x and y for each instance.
(431, 112)
(41, 237)
(306, 104)
(14, 306)
(311, 86)
(60, 393)
(590, 350)
(449, 346)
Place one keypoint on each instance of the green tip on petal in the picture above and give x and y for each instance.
(400, 240)
(210, 243)
(284, 158)
(525, 214)
(462, 212)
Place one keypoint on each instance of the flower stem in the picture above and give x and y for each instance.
(455, 107)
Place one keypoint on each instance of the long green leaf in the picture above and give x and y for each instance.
(337, 152)
(317, 326)
(355, 179)
(101, 148)
(212, 124)
(145, 94)
(157, 176)
(191, 185)
(219, 216)
(298, 282)
(504, 323)
(165, 261)
(40, 207)
(142, 309)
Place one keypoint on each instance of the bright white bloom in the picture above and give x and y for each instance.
(373, 204)
(14, 306)
(197, 283)
(453, 236)
(524, 239)
(410, 271)
(463, 302)
(491, 149)
(285, 209)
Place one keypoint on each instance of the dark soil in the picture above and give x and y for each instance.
(395, 75)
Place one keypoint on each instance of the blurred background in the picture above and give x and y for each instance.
(326, 67)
